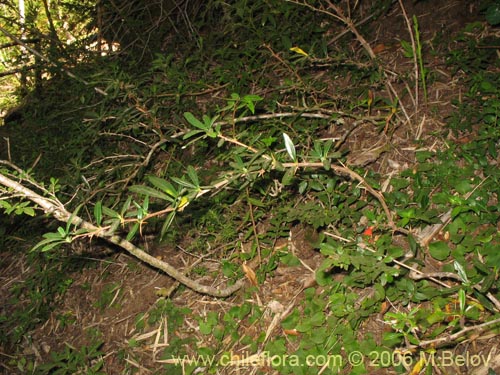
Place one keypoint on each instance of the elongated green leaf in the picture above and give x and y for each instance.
(194, 121)
(70, 220)
(252, 97)
(109, 212)
(29, 211)
(290, 148)
(98, 213)
(189, 134)
(461, 272)
(132, 232)
(184, 183)
(462, 299)
(146, 190)
(51, 246)
(62, 232)
(54, 235)
(163, 185)
(126, 206)
(48, 241)
(193, 175)
(167, 223)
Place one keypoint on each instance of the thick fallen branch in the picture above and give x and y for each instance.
(56, 209)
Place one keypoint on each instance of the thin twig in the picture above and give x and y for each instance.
(440, 341)
(414, 48)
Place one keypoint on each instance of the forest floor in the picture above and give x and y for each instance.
(113, 292)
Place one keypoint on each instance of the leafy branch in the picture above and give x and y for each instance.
(55, 208)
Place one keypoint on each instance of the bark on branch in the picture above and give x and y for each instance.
(56, 209)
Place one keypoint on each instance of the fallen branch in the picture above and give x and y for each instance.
(55, 208)
(451, 338)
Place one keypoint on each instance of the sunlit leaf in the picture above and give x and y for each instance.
(290, 148)
(148, 191)
(62, 232)
(299, 50)
(163, 185)
(183, 203)
(29, 211)
(461, 271)
(462, 300)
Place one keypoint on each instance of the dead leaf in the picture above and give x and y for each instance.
(250, 274)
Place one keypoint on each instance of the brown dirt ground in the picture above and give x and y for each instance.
(133, 286)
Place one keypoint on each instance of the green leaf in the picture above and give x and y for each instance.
(461, 272)
(193, 175)
(268, 141)
(256, 202)
(29, 211)
(290, 148)
(163, 185)
(73, 215)
(413, 244)
(50, 246)
(62, 232)
(184, 183)
(126, 206)
(148, 191)
(462, 299)
(167, 223)
(407, 49)
(288, 176)
(439, 250)
(205, 327)
(194, 121)
(493, 14)
(392, 339)
(317, 319)
(98, 213)
(54, 236)
(190, 133)
(132, 232)
(463, 186)
(109, 212)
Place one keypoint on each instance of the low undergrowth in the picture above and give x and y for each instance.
(366, 229)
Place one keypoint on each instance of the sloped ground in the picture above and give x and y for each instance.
(119, 302)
